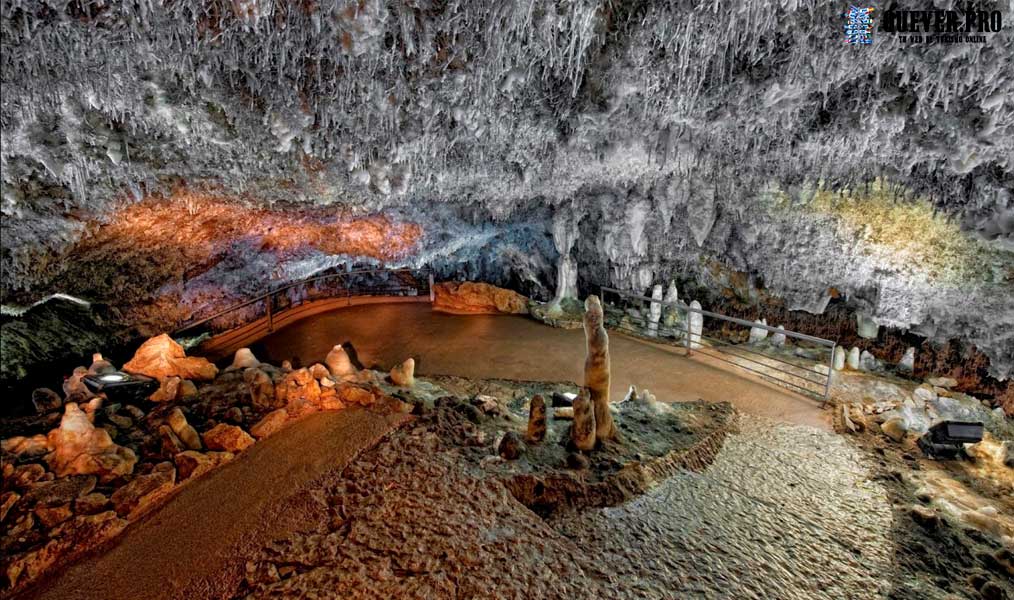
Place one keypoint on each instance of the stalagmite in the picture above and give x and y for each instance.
(778, 338)
(853, 358)
(261, 388)
(582, 430)
(596, 368)
(670, 312)
(536, 420)
(907, 362)
(655, 310)
(696, 325)
(758, 334)
(244, 359)
(839, 358)
(403, 375)
(338, 362)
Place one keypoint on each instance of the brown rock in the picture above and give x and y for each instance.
(477, 298)
(184, 431)
(244, 359)
(168, 390)
(71, 539)
(262, 389)
(510, 446)
(144, 491)
(329, 399)
(582, 430)
(536, 420)
(353, 394)
(319, 371)
(339, 363)
(403, 375)
(26, 475)
(52, 516)
(36, 446)
(74, 389)
(100, 365)
(227, 437)
(596, 368)
(162, 357)
(90, 504)
(187, 391)
(46, 400)
(297, 385)
(81, 449)
(59, 491)
(894, 428)
(7, 502)
(191, 464)
(272, 422)
(171, 444)
(233, 415)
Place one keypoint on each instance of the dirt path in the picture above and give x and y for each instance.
(514, 347)
(196, 544)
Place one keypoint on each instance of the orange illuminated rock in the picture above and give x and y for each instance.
(162, 357)
(79, 448)
(477, 298)
(403, 375)
(297, 385)
(191, 464)
(339, 363)
(227, 437)
(272, 422)
(353, 394)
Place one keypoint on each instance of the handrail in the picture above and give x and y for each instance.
(693, 339)
(309, 280)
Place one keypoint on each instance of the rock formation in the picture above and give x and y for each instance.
(403, 375)
(582, 429)
(244, 359)
(272, 422)
(339, 363)
(229, 438)
(161, 357)
(536, 420)
(79, 448)
(477, 298)
(46, 400)
(853, 358)
(670, 312)
(839, 358)
(298, 385)
(655, 310)
(596, 368)
(758, 334)
(179, 425)
(100, 365)
(778, 338)
(907, 362)
(261, 388)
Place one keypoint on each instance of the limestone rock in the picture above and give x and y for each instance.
(596, 369)
(261, 387)
(778, 339)
(81, 449)
(536, 420)
(868, 362)
(59, 491)
(907, 362)
(866, 327)
(853, 358)
(696, 325)
(272, 422)
(50, 517)
(24, 475)
(319, 371)
(655, 310)
(46, 400)
(192, 464)
(233, 415)
(227, 437)
(339, 363)
(7, 502)
(244, 359)
(74, 389)
(177, 421)
(144, 491)
(582, 430)
(297, 385)
(36, 446)
(510, 447)
(187, 391)
(477, 298)
(758, 334)
(577, 461)
(90, 504)
(162, 357)
(354, 394)
(670, 312)
(171, 444)
(839, 358)
(894, 428)
(944, 382)
(168, 390)
(403, 375)
(100, 365)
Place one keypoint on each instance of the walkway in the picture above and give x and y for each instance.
(514, 347)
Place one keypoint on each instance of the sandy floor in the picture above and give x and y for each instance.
(513, 347)
(192, 547)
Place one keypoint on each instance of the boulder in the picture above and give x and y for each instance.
(81, 449)
(46, 400)
(229, 438)
(510, 447)
(536, 420)
(272, 422)
(297, 385)
(339, 363)
(403, 375)
(244, 359)
(192, 464)
(261, 387)
(144, 491)
(177, 421)
(868, 362)
(477, 298)
(162, 357)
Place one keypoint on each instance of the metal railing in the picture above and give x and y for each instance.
(671, 323)
(340, 284)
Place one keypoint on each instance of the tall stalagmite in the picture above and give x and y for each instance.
(596, 367)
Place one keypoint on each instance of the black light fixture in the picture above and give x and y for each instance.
(119, 386)
(946, 439)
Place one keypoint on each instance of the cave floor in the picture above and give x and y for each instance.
(520, 348)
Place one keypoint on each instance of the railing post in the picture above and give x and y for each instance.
(268, 302)
(830, 373)
(432, 293)
(686, 330)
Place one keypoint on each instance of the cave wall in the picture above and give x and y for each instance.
(162, 158)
